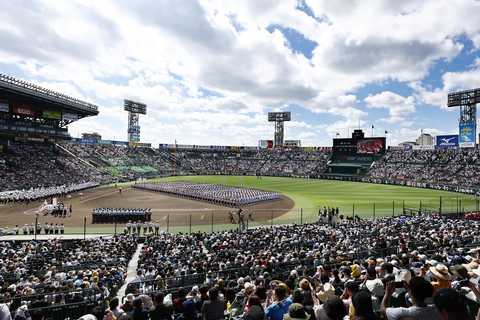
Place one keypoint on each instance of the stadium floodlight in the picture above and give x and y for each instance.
(134, 110)
(467, 101)
(135, 107)
(279, 118)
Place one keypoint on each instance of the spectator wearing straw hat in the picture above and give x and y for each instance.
(442, 279)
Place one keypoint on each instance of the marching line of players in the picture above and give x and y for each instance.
(47, 228)
(148, 228)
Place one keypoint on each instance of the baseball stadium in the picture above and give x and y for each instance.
(361, 227)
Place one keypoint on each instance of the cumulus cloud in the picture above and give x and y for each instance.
(209, 69)
(399, 107)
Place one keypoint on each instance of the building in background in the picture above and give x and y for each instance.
(94, 136)
(425, 139)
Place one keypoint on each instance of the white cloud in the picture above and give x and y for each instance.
(166, 53)
(399, 107)
(436, 97)
(451, 81)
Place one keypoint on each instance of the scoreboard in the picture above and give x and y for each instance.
(358, 147)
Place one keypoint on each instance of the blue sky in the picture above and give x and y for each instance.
(210, 70)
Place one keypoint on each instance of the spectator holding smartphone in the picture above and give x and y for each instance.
(419, 290)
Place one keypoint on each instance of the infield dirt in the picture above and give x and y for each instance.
(177, 211)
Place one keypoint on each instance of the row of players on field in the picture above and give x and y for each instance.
(137, 227)
(29, 229)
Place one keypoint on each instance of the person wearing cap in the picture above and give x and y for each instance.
(296, 311)
(442, 279)
(419, 290)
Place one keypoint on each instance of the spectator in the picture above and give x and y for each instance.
(362, 303)
(254, 309)
(138, 312)
(450, 304)
(279, 307)
(419, 290)
(333, 309)
(213, 309)
(296, 311)
(160, 310)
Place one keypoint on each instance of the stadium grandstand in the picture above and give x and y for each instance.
(359, 228)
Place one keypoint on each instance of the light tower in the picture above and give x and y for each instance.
(467, 124)
(134, 110)
(279, 118)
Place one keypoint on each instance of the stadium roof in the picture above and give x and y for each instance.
(30, 90)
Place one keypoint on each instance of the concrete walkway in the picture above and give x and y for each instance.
(131, 271)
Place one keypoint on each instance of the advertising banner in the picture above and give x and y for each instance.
(292, 143)
(4, 107)
(424, 147)
(467, 135)
(447, 141)
(139, 144)
(49, 114)
(24, 110)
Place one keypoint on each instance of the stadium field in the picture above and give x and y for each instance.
(363, 199)
(300, 203)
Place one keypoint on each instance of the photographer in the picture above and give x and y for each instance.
(419, 290)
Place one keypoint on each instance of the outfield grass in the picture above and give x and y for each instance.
(309, 195)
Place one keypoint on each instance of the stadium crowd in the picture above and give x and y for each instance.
(123, 163)
(25, 166)
(215, 193)
(393, 267)
(36, 276)
(419, 267)
(449, 169)
(265, 162)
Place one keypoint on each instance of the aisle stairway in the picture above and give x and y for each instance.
(131, 271)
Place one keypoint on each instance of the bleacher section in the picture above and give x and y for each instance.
(29, 165)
